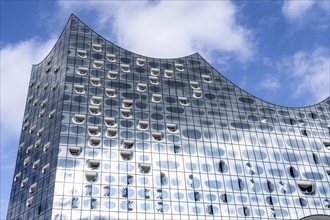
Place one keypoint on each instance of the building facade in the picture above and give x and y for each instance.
(111, 134)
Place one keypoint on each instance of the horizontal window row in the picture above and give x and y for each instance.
(126, 103)
(154, 79)
(52, 88)
(37, 84)
(80, 89)
(113, 58)
(36, 164)
(126, 152)
(41, 114)
(35, 145)
(112, 132)
(92, 176)
(161, 206)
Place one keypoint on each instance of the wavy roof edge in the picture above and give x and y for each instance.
(72, 16)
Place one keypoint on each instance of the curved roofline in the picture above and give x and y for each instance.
(282, 106)
(72, 15)
(196, 53)
(172, 58)
(316, 217)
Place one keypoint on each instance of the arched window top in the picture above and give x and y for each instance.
(96, 100)
(157, 136)
(127, 144)
(97, 64)
(194, 85)
(110, 122)
(91, 176)
(306, 187)
(179, 66)
(96, 81)
(110, 92)
(74, 151)
(94, 110)
(207, 78)
(112, 74)
(111, 132)
(156, 98)
(82, 53)
(173, 128)
(95, 142)
(144, 168)
(111, 57)
(125, 68)
(78, 119)
(33, 188)
(154, 80)
(45, 168)
(36, 164)
(93, 130)
(97, 47)
(154, 71)
(143, 125)
(24, 182)
(126, 155)
(29, 202)
(197, 94)
(168, 74)
(141, 87)
(17, 177)
(127, 103)
(140, 61)
(80, 89)
(126, 113)
(183, 101)
(93, 164)
(82, 71)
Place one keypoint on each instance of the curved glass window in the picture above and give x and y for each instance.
(125, 68)
(112, 74)
(207, 78)
(111, 57)
(82, 53)
(97, 47)
(168, 74)
(82, 71)
(140, 61)
(222, 167)
(293, 172)
(97, 64)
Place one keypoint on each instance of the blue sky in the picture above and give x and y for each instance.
(276, 50)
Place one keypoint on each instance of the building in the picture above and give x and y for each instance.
(110, 134)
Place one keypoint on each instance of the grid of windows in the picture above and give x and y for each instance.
(143, 138)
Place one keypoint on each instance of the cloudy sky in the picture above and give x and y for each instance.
(275, 50)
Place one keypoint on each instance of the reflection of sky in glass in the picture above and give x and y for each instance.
(224, 154)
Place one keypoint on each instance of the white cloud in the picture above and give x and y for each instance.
(308, 74)
(270, 82)
(16, 64)
(296, 9)
(172, 28)
(303, 77)
(299, 10)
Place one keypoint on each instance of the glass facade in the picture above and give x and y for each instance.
(110, 134)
